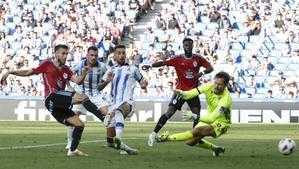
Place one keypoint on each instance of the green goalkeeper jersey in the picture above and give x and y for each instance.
(219, 107)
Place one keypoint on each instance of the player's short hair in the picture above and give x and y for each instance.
(187, 39)
(120, 46)
(57, 47)
(224, 76)
(94, 48)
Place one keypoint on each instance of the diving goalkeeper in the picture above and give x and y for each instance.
(217, 120)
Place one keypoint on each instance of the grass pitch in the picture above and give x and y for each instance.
(41, 145)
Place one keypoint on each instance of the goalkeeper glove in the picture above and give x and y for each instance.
(186, 95)
(188, 115)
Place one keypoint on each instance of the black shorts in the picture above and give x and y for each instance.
(177, 102)
(60, 104)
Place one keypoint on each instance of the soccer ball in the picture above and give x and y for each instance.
(286, 146)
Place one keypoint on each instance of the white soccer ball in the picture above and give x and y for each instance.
(286, 146)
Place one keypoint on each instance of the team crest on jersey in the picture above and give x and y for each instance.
(64, 75)
(195, 64)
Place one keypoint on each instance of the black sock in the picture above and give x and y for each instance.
(163, 119)
(195, 121)
(76, 137)
(110, 140)
(89, 106)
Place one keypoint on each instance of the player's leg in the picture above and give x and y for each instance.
(174, 105)
(195, 107)
(88, 105)
(122, 111)
(110, 130)
(70, 129)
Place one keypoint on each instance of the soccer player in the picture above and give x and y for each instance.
(123, 78)
(215, 122)
(58, 101)
(187, 67)
(89, 88)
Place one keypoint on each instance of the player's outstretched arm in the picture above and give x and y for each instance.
(186, 95)
(17, 73)
(79, 79)
(157, 64)
(104, 83)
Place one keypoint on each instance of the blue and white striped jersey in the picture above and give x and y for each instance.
(92, 79)
(123, 83)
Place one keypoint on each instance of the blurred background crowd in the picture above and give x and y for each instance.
(255, 41)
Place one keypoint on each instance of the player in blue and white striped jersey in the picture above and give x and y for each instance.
(123, 78)
(89, 88)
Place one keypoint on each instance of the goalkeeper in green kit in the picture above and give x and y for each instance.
(215, 122)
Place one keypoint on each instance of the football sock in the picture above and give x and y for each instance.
(89, 106)
(76, 137)
(69, 134)
(195, 121)
(119, 119)
(110, 140)
(206, 144)
(162, 120)
(181, 136)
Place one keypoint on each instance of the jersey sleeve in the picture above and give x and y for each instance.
(137, 75)
(106, 74)
(221, 111)
(41, 68)
(204, 62)
(171, 61)
(204, 87)
(76, 67)
(69, 72)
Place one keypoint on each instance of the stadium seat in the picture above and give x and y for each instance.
(212, 26)
(205, 19)
(271, 38)
(250, 46)
(250, 90)
(253, 38)
(276, 53)
(267, 46)
(160, 45)
(262, 90)
(281, 46)
(208, 32)
(200, 26)
(237, 46)
(284, 60)
(243, 39)
(293, 66)
(259, 96)
(280, 67)
(274, 72)
(289, 73)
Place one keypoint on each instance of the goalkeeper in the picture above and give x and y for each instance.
(217, 120)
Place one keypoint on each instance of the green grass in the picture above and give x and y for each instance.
(247, 147)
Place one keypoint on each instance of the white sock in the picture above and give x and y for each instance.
(120, 121)
(69, 135)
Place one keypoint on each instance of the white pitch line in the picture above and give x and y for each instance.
(54, 144)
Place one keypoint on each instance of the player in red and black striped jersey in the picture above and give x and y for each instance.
(187, 67)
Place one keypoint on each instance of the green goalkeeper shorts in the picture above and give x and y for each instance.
(219, 126)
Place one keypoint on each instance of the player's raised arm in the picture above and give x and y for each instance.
(79, 79)
(106, 81)
(17, 73)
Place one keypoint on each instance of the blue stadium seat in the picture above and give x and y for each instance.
(280, 67)
(250, 90)
(284, 60)
(243, 38)
(262, 90)
(212, 26)
(276, 53)
(205, 19)
(293, 66)
(208, 32)
(253, 38)
(250, 45)
(237, 46)
(281, 46)
(200, 26)
(271, 38)
(289, 73)
(259, 96)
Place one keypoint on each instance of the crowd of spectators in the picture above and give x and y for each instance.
(255, 41)
(29, 29)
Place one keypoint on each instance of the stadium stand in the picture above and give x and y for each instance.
(260, 38)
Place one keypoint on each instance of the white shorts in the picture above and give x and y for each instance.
(98, 100)
(130, 102)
